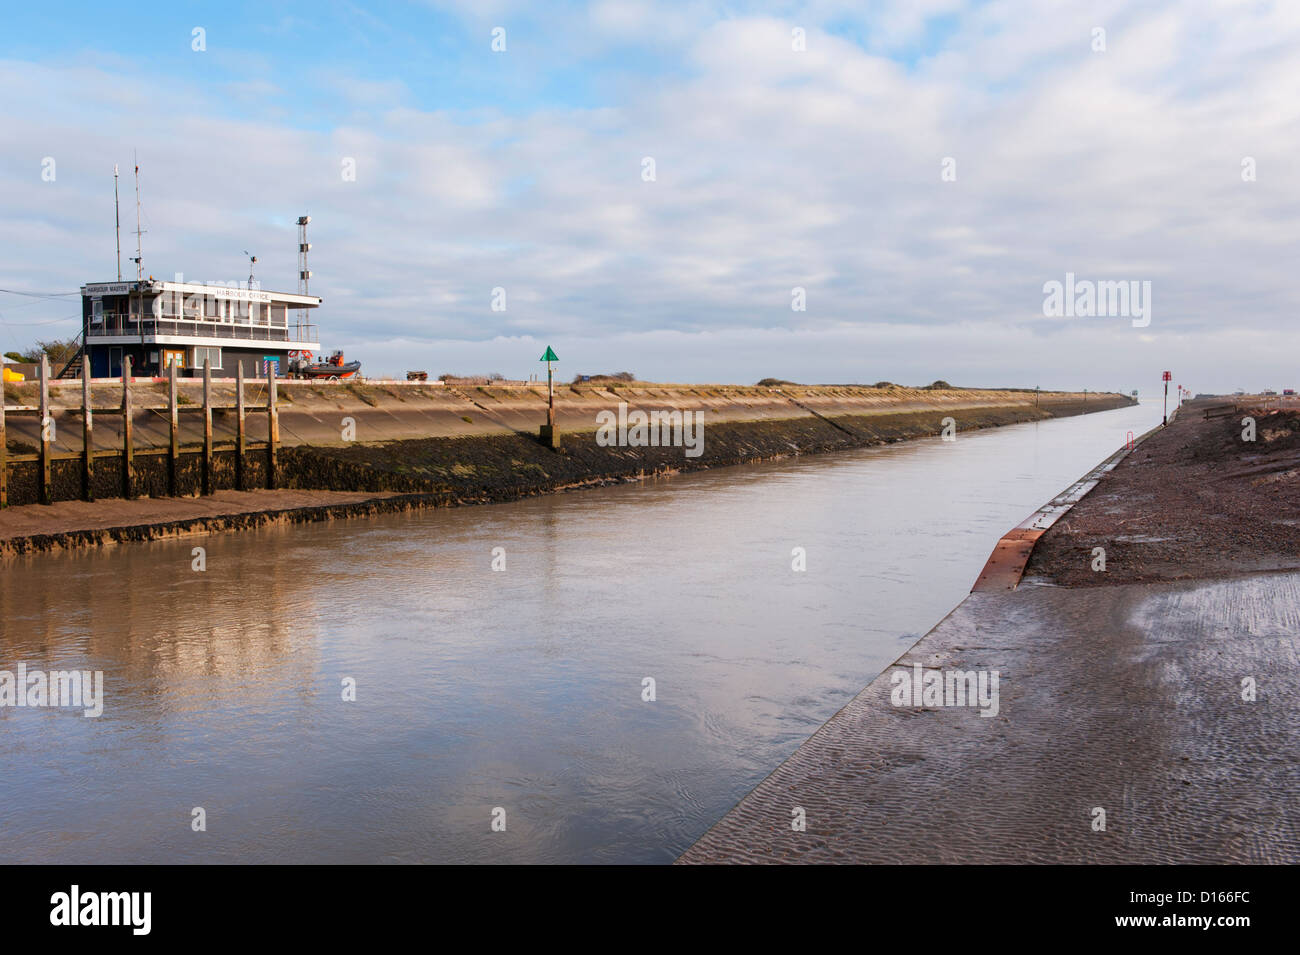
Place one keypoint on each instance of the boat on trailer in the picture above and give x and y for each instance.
(329, 369)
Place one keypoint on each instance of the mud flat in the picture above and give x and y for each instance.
(69, 525)
(1194, 501)
(425, 446)
(1124, 691)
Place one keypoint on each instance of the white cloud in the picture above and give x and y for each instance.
(774, 168)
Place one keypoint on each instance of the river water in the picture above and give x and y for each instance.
(479, 689)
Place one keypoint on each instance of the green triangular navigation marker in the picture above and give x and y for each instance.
(549, 356)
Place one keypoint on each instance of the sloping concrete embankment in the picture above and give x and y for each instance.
(1135, 723)
(505, 466)
(313, 413)
(416, 442)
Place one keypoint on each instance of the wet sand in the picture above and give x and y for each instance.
(1126, 699)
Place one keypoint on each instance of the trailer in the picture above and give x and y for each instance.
(330, 369)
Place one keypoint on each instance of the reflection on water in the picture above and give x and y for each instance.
(476, 689)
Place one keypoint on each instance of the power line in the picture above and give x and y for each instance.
(52, 321)
(9, 291)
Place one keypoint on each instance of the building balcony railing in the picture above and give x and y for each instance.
(116, 325)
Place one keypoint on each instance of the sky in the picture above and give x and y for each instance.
(657, 187)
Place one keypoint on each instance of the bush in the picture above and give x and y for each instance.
(59, 351)
(618, 376)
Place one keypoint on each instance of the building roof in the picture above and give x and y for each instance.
(152, 287)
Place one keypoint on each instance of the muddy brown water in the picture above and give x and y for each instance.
(519, 689)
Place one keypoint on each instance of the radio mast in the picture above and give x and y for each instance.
(304, 275)
(139, 255)
(117, 223)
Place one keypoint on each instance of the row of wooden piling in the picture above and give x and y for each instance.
(45, 455)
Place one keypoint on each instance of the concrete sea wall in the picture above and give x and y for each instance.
(431, 446)
(314, 412)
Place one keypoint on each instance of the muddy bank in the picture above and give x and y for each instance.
(473, 453)
(1193, 501)
(70, 525)
(506, 467)
(447, 471)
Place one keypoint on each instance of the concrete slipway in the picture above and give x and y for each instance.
(1125, 698)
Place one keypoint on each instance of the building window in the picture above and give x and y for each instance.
(204, 351)
(166, 306)
(97, 311)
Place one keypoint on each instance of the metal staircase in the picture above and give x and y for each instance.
(72, 370)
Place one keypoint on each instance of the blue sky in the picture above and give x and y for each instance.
(441, 55)
(776, 168)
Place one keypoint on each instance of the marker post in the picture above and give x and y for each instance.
(549, 436)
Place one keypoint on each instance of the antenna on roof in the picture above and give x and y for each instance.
(252, 261)
(117, 223)
(139, 255)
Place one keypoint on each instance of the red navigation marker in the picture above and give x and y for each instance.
(1168, 377)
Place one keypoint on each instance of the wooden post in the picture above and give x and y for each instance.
(4, 454)
(239, 425)
(127, 484)
(272, 426)
(207, 426)
(174, 451)
(550, 398)
(47, 425)
(87, 434)
(548, 435)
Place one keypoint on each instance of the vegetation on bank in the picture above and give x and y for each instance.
(58, 350)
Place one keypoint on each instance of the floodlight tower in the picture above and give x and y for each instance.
(304, 274)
